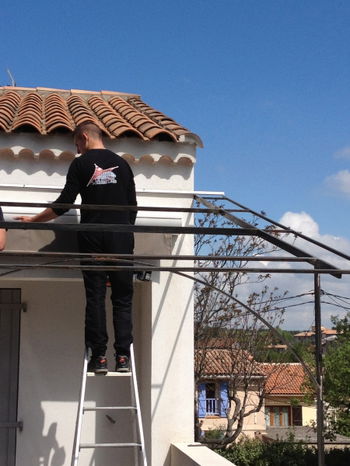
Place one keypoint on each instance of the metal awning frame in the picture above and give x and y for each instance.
(243, 229)
(141, 262)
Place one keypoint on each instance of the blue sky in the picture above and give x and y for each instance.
(264, 83)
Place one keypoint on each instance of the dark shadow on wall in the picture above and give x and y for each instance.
(53, 454)
(50, 452)
(63, 241)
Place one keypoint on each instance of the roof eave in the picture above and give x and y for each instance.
(191, 138)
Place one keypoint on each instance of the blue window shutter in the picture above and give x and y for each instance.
(223, 398)
(202, 400)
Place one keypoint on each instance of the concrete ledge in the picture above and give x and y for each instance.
(195, 454)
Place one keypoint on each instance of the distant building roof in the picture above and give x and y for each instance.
(277, 347)
(48, 111)
(324, 331)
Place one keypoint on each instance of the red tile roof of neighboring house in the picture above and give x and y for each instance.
(284, 379)
(281, 378)
(46, 111)
(224, 362)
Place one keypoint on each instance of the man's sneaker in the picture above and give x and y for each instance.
(122, 363)
(98, 364)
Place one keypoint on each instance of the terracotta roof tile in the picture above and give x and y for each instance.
(80, 112)
(29, 113)
(158, 117)
(140, 120)
(45, 110)
(8, 108)
(284, 379)
(223, 362)
(56, 113)
(111, 119)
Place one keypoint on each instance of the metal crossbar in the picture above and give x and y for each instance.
(267, 236)
(175, 268)
(244, 227)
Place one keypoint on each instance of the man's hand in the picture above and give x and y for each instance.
(24, 218)
(44, 216)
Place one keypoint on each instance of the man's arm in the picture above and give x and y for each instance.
(2, 239)
(131, 195)
(44, 216)
(67, 196)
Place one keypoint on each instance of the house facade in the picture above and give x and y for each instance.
(42, 310)
(285, 401)
(281, 387)
(228, 379)
(328, 335)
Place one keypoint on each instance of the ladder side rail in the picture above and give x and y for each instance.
(135, 427)
(78, 426)
(135, 392)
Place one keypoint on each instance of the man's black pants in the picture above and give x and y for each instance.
(95, 282)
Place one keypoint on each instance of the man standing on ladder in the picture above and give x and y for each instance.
(101, 177)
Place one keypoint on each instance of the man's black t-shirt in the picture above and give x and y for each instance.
(101, 177)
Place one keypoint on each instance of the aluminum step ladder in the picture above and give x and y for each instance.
(134, 408)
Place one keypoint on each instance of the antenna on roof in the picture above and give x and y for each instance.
(13, 82)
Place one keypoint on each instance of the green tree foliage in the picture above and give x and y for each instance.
(281, 453)
(275, 355)
(337, 377)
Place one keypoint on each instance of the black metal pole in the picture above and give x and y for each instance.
(319, 372)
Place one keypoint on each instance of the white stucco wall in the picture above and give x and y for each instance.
(309, 414)
(51, 356)
(172, 359)
(196, 455)
(52, 329)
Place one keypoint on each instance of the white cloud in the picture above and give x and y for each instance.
(299, 314)
(302, 316)
(301, 222)
(339, 182)
(343, 153)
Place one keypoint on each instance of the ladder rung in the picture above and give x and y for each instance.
(109, 374)
(98, 408)
(109, 445)
(137, 439)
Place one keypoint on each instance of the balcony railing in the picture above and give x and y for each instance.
(212, 407)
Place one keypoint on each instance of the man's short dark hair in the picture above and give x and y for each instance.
(89, 127)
